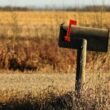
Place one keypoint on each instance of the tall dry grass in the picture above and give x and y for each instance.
(45, 55)
(29, 21)
(29, 41)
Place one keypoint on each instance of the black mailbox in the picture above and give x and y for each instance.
(97, 39)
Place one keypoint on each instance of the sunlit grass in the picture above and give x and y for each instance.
(30, 40)
(37, 88)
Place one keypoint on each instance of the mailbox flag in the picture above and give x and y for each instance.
(67, 37)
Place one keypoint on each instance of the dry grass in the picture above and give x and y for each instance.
(28, 41)
(35, 23)
(44, 55)
(37, 33)
(36, 91)
(53, 17)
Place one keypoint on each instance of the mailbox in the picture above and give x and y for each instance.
(83, 39)
(97, 39)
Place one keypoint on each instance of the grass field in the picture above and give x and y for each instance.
(36, 91)
(45, 74)
(27, 23)
(37, 33)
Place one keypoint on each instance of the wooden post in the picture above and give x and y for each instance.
(81, 62)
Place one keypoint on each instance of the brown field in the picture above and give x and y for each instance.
(38, 31)
(36, 91)
(42, 80)
(35, 23)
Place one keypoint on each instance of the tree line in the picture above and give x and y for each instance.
(86, 8)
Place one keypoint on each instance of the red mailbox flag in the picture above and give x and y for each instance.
(67, 37)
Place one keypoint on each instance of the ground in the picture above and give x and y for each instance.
(18, 89)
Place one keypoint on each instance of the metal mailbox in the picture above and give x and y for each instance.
(97, 39)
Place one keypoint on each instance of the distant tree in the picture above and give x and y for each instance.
(86, 8)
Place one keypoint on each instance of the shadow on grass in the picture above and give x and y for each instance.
(49, 103)
(52, 102)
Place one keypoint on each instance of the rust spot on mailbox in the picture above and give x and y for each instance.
(98, 39)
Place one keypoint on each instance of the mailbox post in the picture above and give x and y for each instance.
(81, 62)
(83, 39)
